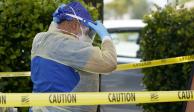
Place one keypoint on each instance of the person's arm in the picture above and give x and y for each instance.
(102, 60)
(105, 59)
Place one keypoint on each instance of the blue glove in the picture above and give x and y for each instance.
(100, 29)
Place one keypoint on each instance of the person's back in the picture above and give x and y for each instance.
(62, 62)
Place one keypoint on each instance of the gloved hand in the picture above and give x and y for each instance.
(100, 29)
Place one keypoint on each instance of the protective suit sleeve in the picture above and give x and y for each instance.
(102, 60)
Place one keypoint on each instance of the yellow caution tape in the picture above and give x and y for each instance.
(91, 98)
(14, 74)
(145, 64)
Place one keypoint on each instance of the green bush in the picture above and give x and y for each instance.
(20, 20)
(169, 33)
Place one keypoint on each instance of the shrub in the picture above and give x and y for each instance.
(20, 20)
(169, 33)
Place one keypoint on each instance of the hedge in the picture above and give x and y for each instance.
(20, 20)
(169, 33)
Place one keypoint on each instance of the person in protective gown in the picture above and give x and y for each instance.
(64, 60)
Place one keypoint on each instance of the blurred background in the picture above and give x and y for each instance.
(119, 12)
(124, 20)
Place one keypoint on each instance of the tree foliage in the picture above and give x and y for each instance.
(184, 1)
(119, 8)
(169, 33)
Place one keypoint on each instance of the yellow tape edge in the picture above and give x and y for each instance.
(92, 98)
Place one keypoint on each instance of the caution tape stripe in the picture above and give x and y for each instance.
(145, 64)
(14, 74)
(160, 62)
(92, 98)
